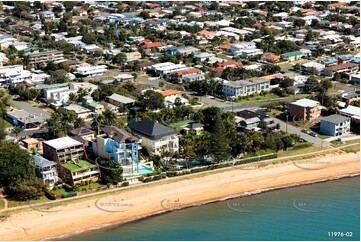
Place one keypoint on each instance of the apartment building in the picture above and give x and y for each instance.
(238, 49)
(69, 154)
(156, 138)
(245, 87)
(90, 71)
(119, 146)
(305, 109)
(45, 57)
(335, 125)
(61, 92)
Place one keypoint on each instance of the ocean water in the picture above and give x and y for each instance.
(322, 211)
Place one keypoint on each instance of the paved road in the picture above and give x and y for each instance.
(27, 107)
(293, 130)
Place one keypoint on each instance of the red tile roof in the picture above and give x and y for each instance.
(170, 92)
(153, 45)
(188, 72)
(224, 65)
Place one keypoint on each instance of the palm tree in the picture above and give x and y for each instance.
(109, 117)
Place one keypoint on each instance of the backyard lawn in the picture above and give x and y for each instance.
(178, 125)
(6, 123)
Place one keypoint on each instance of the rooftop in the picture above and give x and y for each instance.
(41, 162)
(335, 119)
(151, 129)
(305, 103)
(121, 99)
(62, 143)
(81, 165)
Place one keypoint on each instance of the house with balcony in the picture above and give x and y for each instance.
(46, 170)
(335, 125)
(156, 138)
(305, 109)
(69, 154)
(119, 146)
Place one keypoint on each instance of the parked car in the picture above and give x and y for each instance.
(313, 134)
(305, 131)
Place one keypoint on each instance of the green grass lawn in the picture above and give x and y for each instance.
(13, 203)
(178, 125)
(299, 151)
(6, 123)
(336, 143)
(2, 203)
(354, 149)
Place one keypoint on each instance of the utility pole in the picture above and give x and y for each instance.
(287, 124)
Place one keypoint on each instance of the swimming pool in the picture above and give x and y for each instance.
(145, 169)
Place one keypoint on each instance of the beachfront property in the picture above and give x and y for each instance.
(245, 87)
(305, 109)
(119, 146)
(155, 137)
(46, 170)
(335, 125)
(352, 112)
(69, 154)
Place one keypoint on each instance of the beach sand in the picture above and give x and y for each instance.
(172, 194)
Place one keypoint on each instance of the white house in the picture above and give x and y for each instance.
(89, 71)
(3, 59)
(335, 125)
(237, 49)
(246, 87)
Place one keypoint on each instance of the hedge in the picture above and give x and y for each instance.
(67, 187)
(125, 184)
(50, 195)
(70, 194)
(256, 158)
(155, 178)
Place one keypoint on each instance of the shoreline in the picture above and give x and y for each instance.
(246, 194)
(147, 201)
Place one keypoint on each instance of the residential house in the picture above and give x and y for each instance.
(292, 56)
(31, 144)
(195, 127)
(120, 101)
(3, 59)
(350, 97)
(24, 119)
(237, 49)
(333, 6)
(6, 41)
(227, 64)
(61, 92)
(46, 170)
(342, 59)
(352, 112)
(191, 73)
(83, 135)
(347, 67)
(270, 58)
(332, 61)
(119, 146)
(204, 56)
(124, 77)
(170, 97)
(335, 125)
(69, 153)
(133, 56)
(206, 34)
(309, 66)
(81, 111)
(47, 15)
(89, 103)
(245, 87)
(156, 138)
(305, 109)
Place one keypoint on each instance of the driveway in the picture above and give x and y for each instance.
(293, 130)
(27, 107)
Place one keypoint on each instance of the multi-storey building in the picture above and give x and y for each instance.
(156, 138)
(46, 170)
(246, 87)
(46, 56)
(335, 125)
(118, 145)
(69, 153)
(85, 71)
(305, 109)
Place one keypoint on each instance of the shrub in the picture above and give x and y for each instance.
(67, 187)
(50, 195)
(70, 194)
(125, 184)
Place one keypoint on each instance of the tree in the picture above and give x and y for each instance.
(151, 100)
(218, 146)
(26, 190)
(298, 23)
(111, 171)
(69, 5)
(144, 14)
(119, 59)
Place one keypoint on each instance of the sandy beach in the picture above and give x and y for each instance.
(172, 194)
